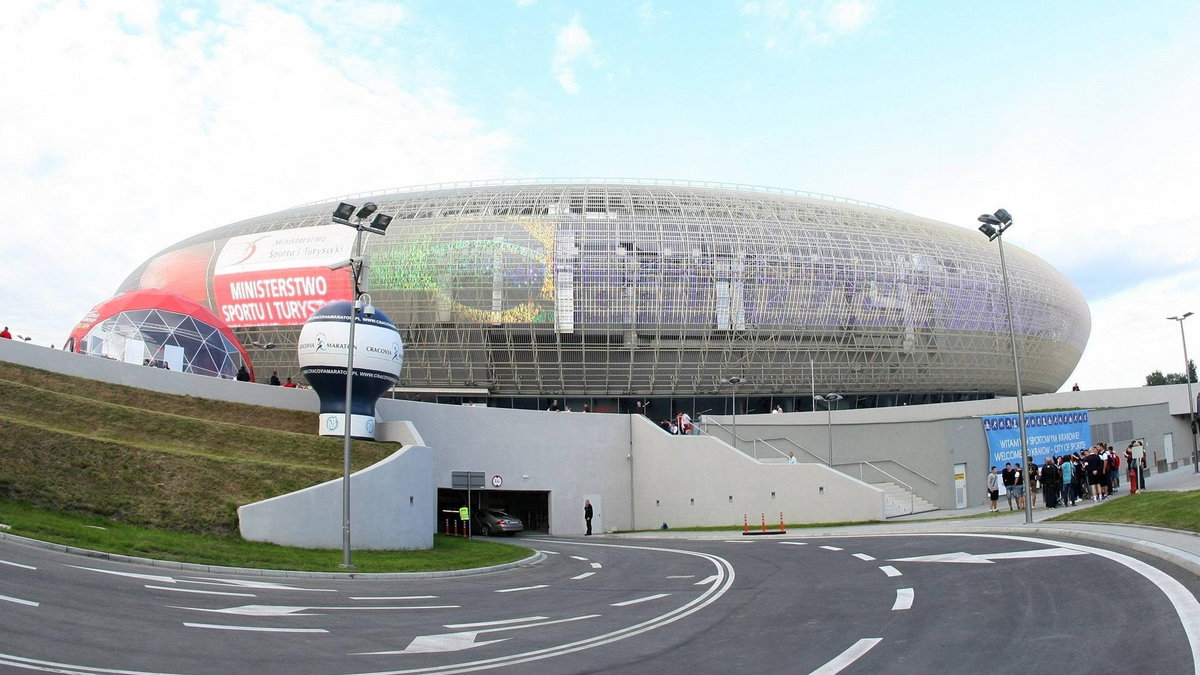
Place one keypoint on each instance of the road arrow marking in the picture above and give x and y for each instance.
(706, 580)
(990, 558)
(147, 577)
(448, 642)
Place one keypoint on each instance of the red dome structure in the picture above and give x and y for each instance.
(159, 328)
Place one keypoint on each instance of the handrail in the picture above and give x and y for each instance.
(755, 441)
(912, 495)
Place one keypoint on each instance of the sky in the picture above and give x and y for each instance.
(126, 127)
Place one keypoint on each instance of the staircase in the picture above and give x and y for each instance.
(900, 501)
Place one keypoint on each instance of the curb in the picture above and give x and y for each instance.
(1175, 556)
(534, 558)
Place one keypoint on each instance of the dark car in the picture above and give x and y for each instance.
(494, 521)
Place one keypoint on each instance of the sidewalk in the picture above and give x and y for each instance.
(1175, 546)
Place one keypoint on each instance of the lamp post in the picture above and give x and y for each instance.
(830, 399)
(1187, 377)
(378, 225)
(735, 381)
(994, 225)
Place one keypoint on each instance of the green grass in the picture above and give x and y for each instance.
(1174, 510)
(98, 534)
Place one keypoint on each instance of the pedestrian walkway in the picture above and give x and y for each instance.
(1175, 546)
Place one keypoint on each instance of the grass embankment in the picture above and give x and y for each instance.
(1175, 510)
(98, 534)
(165, 474)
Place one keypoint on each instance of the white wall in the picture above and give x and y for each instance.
(390, 503)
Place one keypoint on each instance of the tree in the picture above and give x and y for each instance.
(1157, 377)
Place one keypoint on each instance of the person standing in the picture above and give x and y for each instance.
(587, 515)
(1095, 474)
(792, 458)
(993, 488)
(1137, 464)
(243, 375)
(1067, 469)
(274, 379)
(1006, 477)
(1050, 480)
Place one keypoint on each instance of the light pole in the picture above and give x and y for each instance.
(1187, 377)
(830, 399)
(735, 381)
(994, 225)
(342, 215)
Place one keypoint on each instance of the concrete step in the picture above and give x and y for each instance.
(899, 501)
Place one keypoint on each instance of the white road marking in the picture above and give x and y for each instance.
(595, 565)
(196, 590)
(795, 543)
(499, 622)
(248, 583)
(13, 564)
(843, 660)
(863, 556)
(446, 642)
(540, 550)
(393, 597)
(831, 548)
(989, 558)
(521, 588)
(18, 601)
(256, 629)
(889, 570)
(681, 576)
(582, 576)
(578, 557)
(706, 580)
(284, 610)
(145, 577)
(1187, 608)
(740, 541)
(904, 599)
(648, 598)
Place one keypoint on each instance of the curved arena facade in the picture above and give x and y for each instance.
(597, 290)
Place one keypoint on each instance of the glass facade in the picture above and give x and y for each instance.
(610, 290)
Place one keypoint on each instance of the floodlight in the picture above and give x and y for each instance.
(366, 211)
(988, 231)
(380, 223)
(341, 264)
(342, 213)
(1003, 216)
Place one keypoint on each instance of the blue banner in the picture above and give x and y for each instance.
(1047, 434)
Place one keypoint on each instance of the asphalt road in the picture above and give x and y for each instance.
(896, 604)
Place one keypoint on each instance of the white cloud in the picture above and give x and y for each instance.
(130, 131)
(571, 45)
(782, 25)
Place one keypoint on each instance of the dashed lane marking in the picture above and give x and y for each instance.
(846, 658)
(889, 570)
(863, 556)
(19, 601)
(904, 599)
(256, 629)
(520, 588)
(635, 601)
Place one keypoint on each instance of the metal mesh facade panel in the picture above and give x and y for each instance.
(622, 288)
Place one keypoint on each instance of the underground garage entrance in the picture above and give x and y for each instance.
(532, 507)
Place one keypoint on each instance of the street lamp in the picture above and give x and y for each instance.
(830, 399)
(263, 345)
(735, 381)
(378, 225)
(994, 225)
(1187, 377)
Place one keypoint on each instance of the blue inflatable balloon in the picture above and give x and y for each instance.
(378, 355)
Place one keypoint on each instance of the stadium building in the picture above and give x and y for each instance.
(610, 293)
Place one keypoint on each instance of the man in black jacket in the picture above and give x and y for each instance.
(1051, 479)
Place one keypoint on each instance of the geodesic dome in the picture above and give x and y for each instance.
(162, 329)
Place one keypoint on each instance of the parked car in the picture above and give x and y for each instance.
(494, 521)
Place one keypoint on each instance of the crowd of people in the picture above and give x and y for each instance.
(1093, 474)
